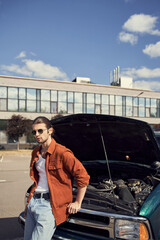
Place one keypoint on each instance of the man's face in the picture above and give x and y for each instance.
(41, 133)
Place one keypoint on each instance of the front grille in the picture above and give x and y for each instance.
(92, 223)
(85, 230)
(96, 218)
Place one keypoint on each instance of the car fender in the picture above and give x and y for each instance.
(151, 210)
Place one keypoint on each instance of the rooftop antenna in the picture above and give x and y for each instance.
(114, 80)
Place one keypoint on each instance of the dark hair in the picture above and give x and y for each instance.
(44, 120)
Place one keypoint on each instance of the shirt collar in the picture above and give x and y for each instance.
(51, 147)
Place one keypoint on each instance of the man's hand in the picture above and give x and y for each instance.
(73, 207)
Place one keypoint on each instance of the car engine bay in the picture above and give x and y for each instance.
(124, 191)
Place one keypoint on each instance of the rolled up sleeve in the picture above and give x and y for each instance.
(76, 169)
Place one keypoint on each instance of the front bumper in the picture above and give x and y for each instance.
(90, 225)
(64, 234)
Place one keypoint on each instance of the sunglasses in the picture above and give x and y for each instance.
(40, 131)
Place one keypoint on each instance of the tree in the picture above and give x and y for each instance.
(17, 127)
(57, 116)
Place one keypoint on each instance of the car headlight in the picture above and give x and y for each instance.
(126, 229)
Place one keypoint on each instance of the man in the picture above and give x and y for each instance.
(52, 169)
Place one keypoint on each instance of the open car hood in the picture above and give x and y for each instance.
(123, 139)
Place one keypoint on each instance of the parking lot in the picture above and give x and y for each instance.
(14, 181)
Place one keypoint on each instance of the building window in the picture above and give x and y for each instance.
(78, 97)
(118, 105)
(153, 112)
(78, 108)
(90, 98)
(104, 99)
(78, 103)
(62, 107)
(153, 107)
(148, 112)
(62, 96)
(135, 111)
(45, 95)
(31, 106)
(70, 97)
(3, 104)
(38, 106)
(22, 93)
(54, 96)
(153, 102)
(105, 109)
(22, 105)
(3, 92)
(70, 104)
(135, 102)
(142, 102)
(148, 102)
(52, 101)
(142, 107)
(13, 105)
(97, 99)
(70, 108)
(90, 108)
(141, 112)
(62, 104)
(97, 108)
(112, 100)
(112, 105)
(129, 105)
(53, 107)
(105, 106)
(45, 106)
(13, 93)
(3, 137)
(31, 94)
(90, 103)
(118, 110)
(118, 100)
(112, 110)
(123, 106)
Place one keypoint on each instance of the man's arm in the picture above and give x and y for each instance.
(75, 206)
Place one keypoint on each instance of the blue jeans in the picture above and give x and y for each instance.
(40, 223)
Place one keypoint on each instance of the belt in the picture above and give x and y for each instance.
(41, 195)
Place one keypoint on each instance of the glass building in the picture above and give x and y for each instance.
(34, 97)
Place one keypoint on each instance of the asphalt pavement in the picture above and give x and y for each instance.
(14, 181)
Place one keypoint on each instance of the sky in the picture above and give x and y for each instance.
(65, 39)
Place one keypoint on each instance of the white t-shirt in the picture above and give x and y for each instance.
(42, 183)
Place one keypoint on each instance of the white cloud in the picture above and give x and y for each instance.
(21, 55)
(142, 72)
(153, 50)
(128, 37)
(150, 85)
(142, 23)
(35, 68)
(138, 24)
(15, 68)
(43, 70)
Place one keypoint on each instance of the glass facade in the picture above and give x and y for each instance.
(70, 102)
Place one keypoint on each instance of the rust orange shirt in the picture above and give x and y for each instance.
(61, 167)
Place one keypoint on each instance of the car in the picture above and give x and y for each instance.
(157, 134)
(2, 147)
(123, 159)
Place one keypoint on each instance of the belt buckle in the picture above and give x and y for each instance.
(43, 195)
